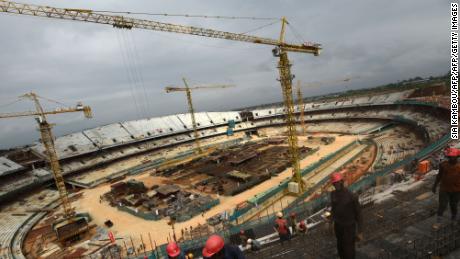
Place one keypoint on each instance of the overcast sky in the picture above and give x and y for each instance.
(122, 74)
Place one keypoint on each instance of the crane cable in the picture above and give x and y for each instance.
(137, 59)
(128, 72)
(296, 33)
(260, 27)
(138, 83)
(52, 101)
(11, 103)
(134, 76)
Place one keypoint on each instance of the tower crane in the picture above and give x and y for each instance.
(281, 51)
(48, 142)
(188, 91)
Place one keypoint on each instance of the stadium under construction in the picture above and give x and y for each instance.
(127, 189)
(143, 180)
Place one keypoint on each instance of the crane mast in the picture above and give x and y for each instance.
(48, 141)
(281, 50)
(284, 67)
(192, 116)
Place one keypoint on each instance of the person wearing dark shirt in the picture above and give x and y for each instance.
(449, 177)
(346, 215)
(215, 248)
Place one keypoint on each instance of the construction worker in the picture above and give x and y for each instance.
(254, 245)
(243, 238)
(215, 248)
(449, 177)
(174, 252)
(302, 227)
(281, 226)
(293, 222)
(346, 215)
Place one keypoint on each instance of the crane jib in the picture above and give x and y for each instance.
(122, 22)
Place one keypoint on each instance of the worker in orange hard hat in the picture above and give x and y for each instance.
(215, 248)
(346, 215)
(449, 177)
(174, 252)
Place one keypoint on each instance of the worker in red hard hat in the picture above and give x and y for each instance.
(302, 227)
(215, 248)
(449, 177)
(174, 252)
(346, 215)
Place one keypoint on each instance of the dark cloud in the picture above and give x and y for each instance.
(121, 74)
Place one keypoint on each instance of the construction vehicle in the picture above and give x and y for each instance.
(188, 91)
(117, 21)
(71, 225)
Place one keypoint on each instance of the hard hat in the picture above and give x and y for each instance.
(302, 223)
(249, 241)
(279, 214)
(336, 177)
(241, 231)
(451, 152)
(213, 245)
(173, 249)
(190, 256)
(327, 214)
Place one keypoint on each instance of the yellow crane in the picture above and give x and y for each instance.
(188, 91)
(48, 142)
(281, 50)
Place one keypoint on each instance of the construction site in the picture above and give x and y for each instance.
(127, 189)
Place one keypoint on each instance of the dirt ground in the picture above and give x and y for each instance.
(127, 225)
